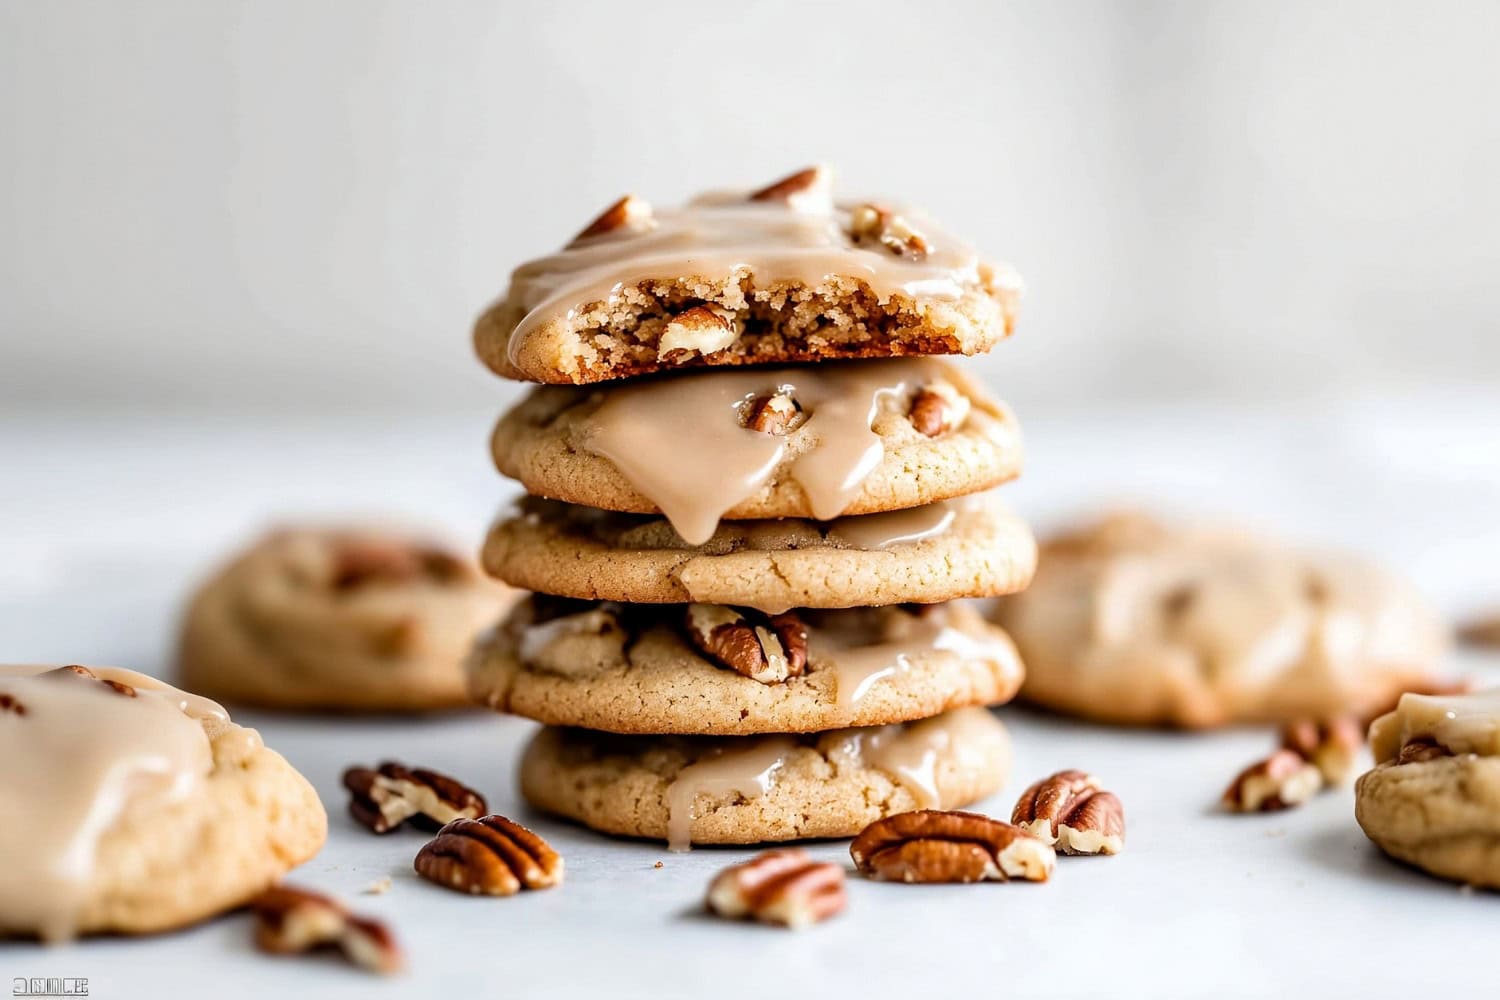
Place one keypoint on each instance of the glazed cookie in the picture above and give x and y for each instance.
(1137, 622)
(818, 442)
(146, 809)
(1433, 798)
(749, 790)
(710, 669)
(969, 547)
(773, 276)
(339, 619)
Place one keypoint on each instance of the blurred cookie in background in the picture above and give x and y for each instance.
(343, 618)
(1137, 621)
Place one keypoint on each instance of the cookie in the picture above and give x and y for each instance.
(339, 618)
(968, 547)
(749, 790)
(1139, 622)
(146, 809)
(783, 274)
(819, 442)
(1433, 797)
(708, 669)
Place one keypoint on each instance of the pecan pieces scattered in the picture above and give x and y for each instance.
(1281, 781)
(289, 920)
(490, 856)
(785, 887)
(934, 846)
(937, 409)
(392, 794)
(1071, 811)
(765, 648)
(1330, 745)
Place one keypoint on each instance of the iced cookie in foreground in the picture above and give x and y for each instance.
(754, 789)
(1135, 621)
(339, 618)
(782, 274)
(1433, 797)
(131, 807)
(816, 442)
(967, 547)
(726, 671)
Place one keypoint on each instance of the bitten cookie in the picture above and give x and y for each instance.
(971, 547)
(765, 443)
(344, 618)
(1433, 797)
(710, 669)
(1138, 622)
(771, 276)
(145, 808)
(748, 790)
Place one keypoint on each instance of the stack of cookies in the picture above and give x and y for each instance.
(757, 504)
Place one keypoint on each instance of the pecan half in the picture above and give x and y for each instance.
(806, 190)
(289, 920)
(934, 846)
(1281, 781)
(1330, 745)
(1423, 748)
(1071, 811)
(785, 887)
(765, 648)
(778, 413)
(938, 408)
(490, 856)
(878, 224)
(629, 213)
(700, 330)
(392, 794)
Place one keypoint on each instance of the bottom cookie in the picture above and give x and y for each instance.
(749, 790)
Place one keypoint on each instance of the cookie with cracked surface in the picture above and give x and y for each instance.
(969, 547)
(146, 809)
(783, 274)
(758, 789)
(348, 618)
(710, 669)
(815, 442)
(1136, 621)
(1433, 798)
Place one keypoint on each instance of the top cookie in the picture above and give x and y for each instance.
(1135, 621)
(777, 275)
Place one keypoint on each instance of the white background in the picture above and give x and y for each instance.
(288, 204)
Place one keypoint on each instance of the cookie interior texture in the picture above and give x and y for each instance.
(548, 442)
(783, 787)
(1134, 621)
(167, 815)
(345, 619)
(733, 279)
(636, 669)
(970, 547)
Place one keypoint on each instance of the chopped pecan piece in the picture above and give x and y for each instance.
(876, 223)
(10, 703)
(934, 846)
(1423, 748)
(938, 408)
(700, 330)
(805, 190)
(291, 921)
(358, 562)
(1281, 781)
(1330, 745)
(118, 687)
(785, 887)
(778, 413)
(629, 213)
(1071, 811)
(766, 648)
(392, 794)
(490, 856)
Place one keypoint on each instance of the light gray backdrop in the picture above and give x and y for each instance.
(302, 204)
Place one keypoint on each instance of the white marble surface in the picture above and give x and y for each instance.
(105, 522)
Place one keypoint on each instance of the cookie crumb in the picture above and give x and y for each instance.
(379, 887)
